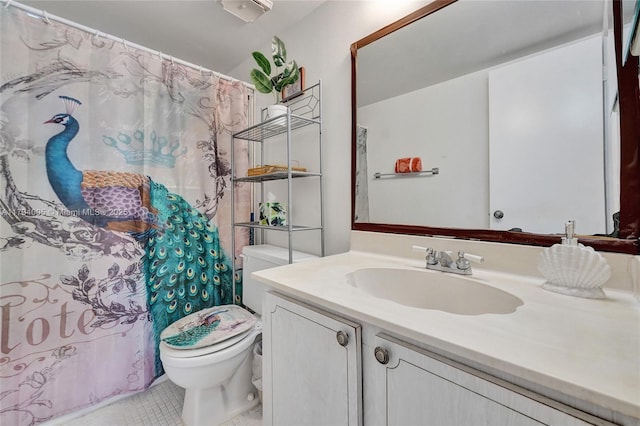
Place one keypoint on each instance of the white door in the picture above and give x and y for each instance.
(543, 175)
(416, 387)
(311, 366)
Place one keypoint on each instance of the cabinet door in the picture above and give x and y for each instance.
(416, 387)
(311, 366)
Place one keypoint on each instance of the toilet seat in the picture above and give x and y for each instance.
(206, 350)
(207, 331)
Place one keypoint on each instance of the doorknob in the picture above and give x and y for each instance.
(498, 214)
(342, 338)
(381, 354)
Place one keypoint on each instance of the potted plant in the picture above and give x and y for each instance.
(285, 73)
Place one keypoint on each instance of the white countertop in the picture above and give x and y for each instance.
(587, 349)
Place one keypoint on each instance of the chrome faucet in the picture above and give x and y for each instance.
(442, 261)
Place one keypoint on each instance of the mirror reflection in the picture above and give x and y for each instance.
(630, 14)
(510, 101)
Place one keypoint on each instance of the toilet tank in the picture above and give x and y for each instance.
(256, 258)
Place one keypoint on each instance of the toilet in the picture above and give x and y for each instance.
(215, 368)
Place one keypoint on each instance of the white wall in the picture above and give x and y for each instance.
(453, 136)
(321, 44)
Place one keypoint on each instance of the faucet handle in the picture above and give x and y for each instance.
(464, 258)
(431, 254)
(472, 257)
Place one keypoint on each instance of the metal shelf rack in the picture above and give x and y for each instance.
(304, 110)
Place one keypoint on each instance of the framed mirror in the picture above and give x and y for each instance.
(512, 116)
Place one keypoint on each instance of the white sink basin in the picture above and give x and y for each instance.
(434, 290)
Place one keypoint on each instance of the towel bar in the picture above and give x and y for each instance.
(431, 172)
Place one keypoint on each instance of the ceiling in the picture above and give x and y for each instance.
(469, 36)
(200, 32)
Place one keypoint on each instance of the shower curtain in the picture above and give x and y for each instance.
(362, 176)
(83, 278)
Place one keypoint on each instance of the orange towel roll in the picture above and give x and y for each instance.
(408, 165)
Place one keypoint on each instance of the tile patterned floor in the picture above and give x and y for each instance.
(161, 405)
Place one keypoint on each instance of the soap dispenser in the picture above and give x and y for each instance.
(569, 234)
(573, 269)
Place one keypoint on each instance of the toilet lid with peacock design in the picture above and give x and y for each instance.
(208, 327)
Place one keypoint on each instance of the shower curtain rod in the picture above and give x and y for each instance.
(47, 18)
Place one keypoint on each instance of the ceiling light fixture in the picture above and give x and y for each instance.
(247, 10)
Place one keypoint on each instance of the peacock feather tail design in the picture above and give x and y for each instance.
(185, 268)
(193, 335)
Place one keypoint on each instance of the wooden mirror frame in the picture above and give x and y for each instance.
(629, 105)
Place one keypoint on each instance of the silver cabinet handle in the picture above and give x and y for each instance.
(498, 214)
(342, 338)
(382, 355)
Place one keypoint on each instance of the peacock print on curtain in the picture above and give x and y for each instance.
(114, 166)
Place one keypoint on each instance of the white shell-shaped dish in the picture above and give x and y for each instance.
(574, 270)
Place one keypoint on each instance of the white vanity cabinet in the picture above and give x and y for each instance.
(320, 369)
(406, 385)
(311, 366)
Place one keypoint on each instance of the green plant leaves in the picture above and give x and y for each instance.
(261, 81)
(278, 51)
(261, 77)
(290, 75)
(262, 62)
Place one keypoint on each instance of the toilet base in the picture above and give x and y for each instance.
(215, 405)
(202, 410)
